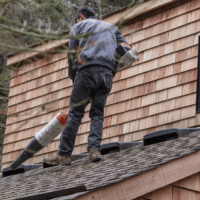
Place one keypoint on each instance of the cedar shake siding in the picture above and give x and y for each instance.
(185, 189)
(157, 92)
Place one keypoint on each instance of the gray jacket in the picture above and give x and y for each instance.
(97, 48)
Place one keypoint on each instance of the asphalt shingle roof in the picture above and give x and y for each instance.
(113, 168)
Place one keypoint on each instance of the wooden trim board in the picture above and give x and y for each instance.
(36, 50)
(139, 10)
(148, 181)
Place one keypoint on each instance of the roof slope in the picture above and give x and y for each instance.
(113, 168)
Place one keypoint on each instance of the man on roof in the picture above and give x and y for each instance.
(92, 65)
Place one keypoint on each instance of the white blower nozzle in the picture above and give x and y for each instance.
(42, 139)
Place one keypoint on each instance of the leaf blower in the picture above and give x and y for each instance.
(126, 55)
(42, 139)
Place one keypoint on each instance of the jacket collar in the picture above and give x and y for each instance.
(93, 17)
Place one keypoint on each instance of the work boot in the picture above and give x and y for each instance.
(95, 155)
(58, 160)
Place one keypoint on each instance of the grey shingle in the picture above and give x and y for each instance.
(113, 168)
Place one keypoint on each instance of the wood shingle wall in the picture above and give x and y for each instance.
(157, 92)
(185, 189)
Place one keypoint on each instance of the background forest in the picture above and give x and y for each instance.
(25, 22)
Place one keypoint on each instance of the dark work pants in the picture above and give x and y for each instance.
(91, 82)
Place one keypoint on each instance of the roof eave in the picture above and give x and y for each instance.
(149, 181)
(114, 17)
